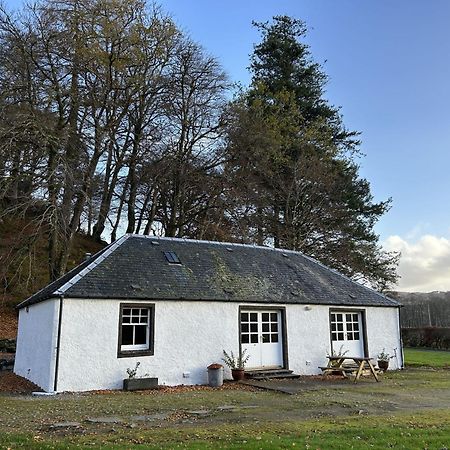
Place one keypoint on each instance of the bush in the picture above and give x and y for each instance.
(430, 337)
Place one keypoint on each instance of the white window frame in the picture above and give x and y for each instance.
(147, 319)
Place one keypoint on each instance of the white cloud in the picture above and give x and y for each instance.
(424, 263)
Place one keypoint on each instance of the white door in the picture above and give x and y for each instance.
(347, 333)
(261, 336)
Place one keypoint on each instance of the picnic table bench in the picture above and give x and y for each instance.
(356, 367)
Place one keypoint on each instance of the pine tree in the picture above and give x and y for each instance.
(293, 163)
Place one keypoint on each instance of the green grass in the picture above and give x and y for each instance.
(427, 358)
(408, 409)
(411, 431)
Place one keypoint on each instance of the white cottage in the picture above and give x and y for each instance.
(175, 304)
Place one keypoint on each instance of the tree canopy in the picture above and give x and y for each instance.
(113, 120)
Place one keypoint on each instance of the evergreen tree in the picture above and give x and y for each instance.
(292, 163)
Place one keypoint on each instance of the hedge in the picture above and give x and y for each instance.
(430, 337)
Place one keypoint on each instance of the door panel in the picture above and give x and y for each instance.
(261, 336)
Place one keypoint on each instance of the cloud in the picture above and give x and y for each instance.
(424, 263)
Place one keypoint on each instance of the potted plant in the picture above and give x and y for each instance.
(236, 364)
(133, 383)
(383, 360)
(334, 362)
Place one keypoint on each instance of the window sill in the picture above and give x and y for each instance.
(134, 353)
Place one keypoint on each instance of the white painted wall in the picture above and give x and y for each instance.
(383, 331)
(191, 335)
(309, 335)
(36, 343)
(188, 337)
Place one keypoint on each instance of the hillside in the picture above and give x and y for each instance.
(424, 309)
(23, 266)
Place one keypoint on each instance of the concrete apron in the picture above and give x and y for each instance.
(296, 386)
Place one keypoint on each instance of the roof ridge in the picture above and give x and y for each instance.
(281, 250)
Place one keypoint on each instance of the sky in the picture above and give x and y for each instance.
(389, 70)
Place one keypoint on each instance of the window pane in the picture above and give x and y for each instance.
(244, 339)
(355, 317)
(333, 317)
(135, 312)
(127, 335)
(253, 338)
(340, 337)
(339, 317)
(333, 327)
(348, 317)
(126, 311)
(265, 317)
(244, 317)
(273, 317)
(349, 336)
(349, 326)
(357, 336)
(125, 319)
(140, 334)
(254, 327)
(135, 319)
(244, 327)
(340, 326)
(274, 337)
(144, 319)
(274, 327)
(253, 317)
(265, 327)
(356, 326)
(333, 336)
(144, 312)
(266, 337)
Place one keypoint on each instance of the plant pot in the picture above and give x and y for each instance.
(383, 365)
(238, 374)
(138, 384)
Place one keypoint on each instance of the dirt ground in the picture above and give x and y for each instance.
(406, 391)
(13, 384)
(8, 323)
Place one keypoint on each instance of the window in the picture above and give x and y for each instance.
(345, 327)
(259, 327)
(136, 330)
(172, 258)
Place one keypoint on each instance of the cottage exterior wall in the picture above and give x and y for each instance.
(36, 343)
(309, 335)
(190, 335)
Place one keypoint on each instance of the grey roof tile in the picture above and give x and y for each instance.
(137, 269)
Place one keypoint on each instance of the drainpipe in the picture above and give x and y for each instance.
(58, 341)
(400, 334)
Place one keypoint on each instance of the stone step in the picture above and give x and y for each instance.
(273, 377)
(270, 374)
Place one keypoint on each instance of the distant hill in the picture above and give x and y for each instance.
(424, 309)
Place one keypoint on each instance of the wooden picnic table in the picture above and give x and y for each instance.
(338, 364)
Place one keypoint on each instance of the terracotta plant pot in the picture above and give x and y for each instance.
(383, 365)
(238, 374)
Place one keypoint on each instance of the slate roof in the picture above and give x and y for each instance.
(135, 268)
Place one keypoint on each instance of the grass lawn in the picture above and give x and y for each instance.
(418, 431)
(426, 357)
(409, 409)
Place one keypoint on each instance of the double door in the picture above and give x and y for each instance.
(261, 336)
